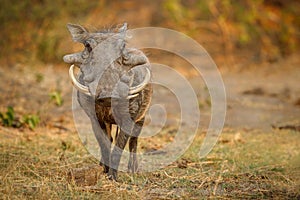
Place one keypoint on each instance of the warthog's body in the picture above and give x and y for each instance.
(113, 88)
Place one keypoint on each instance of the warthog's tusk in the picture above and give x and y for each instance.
(141, 86)
(133, 91)
(82, 88)
(132, 96)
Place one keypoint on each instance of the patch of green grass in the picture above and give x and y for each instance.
(10, 119)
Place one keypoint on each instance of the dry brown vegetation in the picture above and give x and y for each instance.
(244, 164)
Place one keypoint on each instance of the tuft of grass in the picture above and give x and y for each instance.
(56, 98)
(39, 77)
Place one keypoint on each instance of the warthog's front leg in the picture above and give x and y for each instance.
(123, 119)
(103, 141)
(133, 162)
(99, 128)
(116, 154)
(105, 148)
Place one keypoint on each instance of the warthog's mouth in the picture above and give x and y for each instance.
(133, 91)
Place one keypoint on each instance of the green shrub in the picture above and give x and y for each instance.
(9, 119)
(31, 120)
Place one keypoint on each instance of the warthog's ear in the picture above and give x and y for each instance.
(79, 33)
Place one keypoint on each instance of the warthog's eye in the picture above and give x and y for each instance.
(88, 46)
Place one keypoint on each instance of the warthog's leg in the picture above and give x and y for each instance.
(116, 154)
(123, 119)
(106, 147)
(133, 163)
(99, 128)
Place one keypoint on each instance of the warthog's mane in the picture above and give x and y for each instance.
(110, 29)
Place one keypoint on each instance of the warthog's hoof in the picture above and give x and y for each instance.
(112, 174)
(105, 167)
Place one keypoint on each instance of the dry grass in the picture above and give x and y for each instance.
(245, 164)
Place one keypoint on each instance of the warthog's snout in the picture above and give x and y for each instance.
(75, 58)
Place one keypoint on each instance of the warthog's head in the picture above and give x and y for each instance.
(101, 60)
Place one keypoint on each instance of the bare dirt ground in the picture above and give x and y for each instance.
(264, 96)
(260, 100)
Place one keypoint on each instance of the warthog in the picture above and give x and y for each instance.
(113, 88)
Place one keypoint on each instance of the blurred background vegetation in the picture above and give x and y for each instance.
(254, 30)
